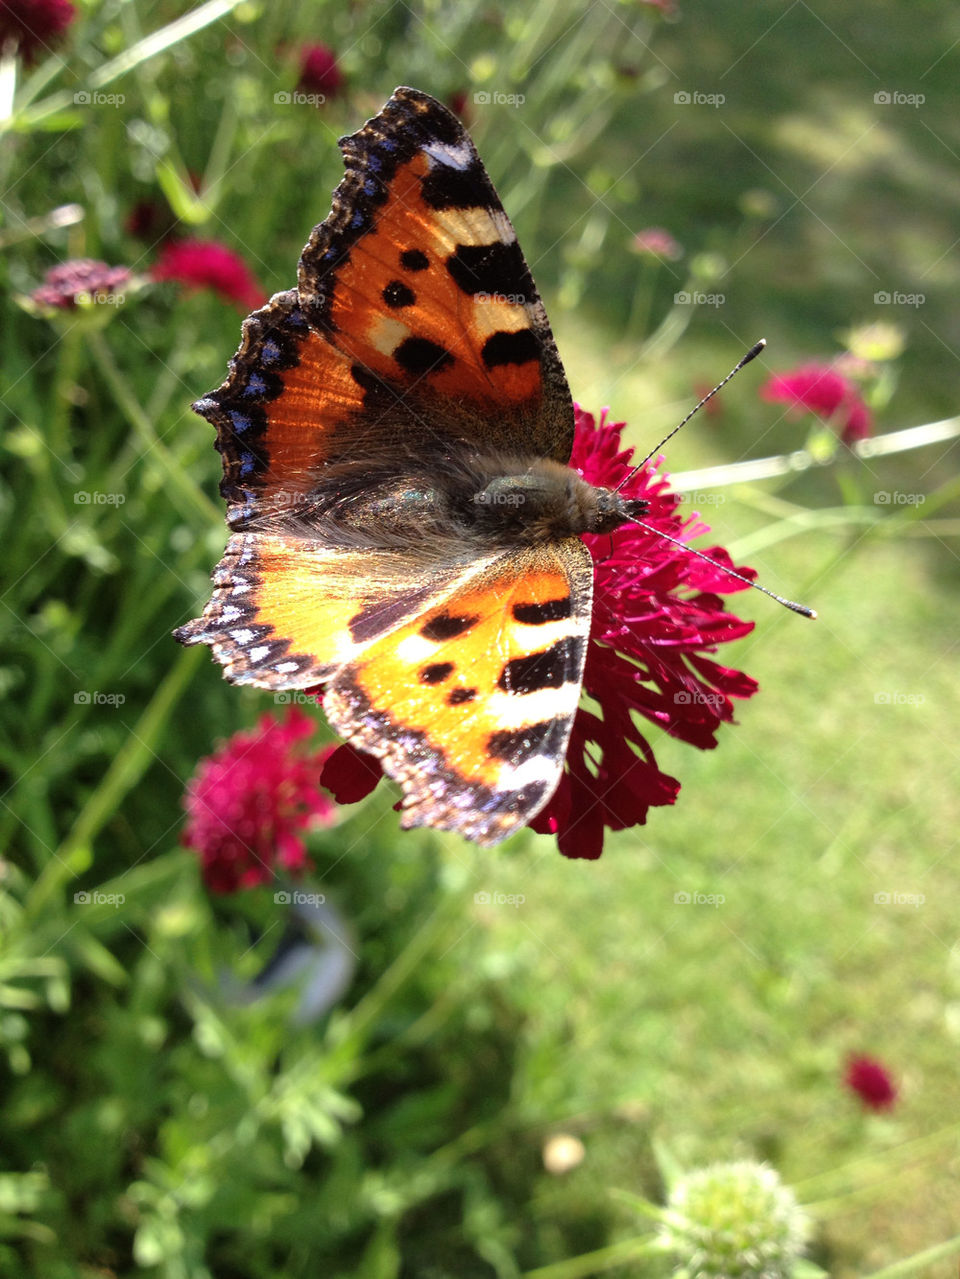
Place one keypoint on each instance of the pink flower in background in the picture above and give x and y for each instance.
(871, 1082)
(658, 243)
(207, 264)
(30, 27)
(250, 801)
(822, 390)
(657, 613)
(81, 278)
(319, 72)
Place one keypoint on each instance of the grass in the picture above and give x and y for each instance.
(600, 1005)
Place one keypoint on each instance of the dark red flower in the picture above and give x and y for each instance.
(821, 389)
(80, 278)
(655, 242)
(249, 801)
(30, 27)
(657, 612)
(319, 73)
(871, 1082)
(207, 264)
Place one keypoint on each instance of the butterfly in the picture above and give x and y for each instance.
(405, 527)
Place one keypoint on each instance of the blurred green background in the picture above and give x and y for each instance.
(154, 1125)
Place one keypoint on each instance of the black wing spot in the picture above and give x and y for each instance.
(397, 294)
(510, 348)
(460, 695)
(491, 268)
(448, 188)
(414, 260)
(550, 668)
(540, 614)
(436, 673)
(515, 744)
(447, 626)
(420, 356)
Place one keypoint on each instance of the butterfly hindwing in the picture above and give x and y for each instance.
(469, 705)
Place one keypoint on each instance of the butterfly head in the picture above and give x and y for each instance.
(610, 510)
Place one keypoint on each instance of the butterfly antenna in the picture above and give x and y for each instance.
(750, 355)
(791, 604)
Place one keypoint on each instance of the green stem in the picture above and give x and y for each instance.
(590, 1263)
(142, 51)
(192, 499)
(132, 761)
(912, 1265)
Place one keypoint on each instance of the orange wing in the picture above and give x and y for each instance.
(469, 705)
(288, 612)
(418, 278)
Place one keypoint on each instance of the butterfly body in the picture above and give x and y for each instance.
(406, 527)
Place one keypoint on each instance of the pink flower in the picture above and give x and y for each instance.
(871, 1082)
(30, 27)
(249, 801)
(658, 243)
(207, 264)
(319, 72)
(80, 278)
(657, 613)
(821, 389)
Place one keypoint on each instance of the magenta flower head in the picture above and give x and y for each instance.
(871, 1082)
(79, 281)
(319, 73)
(249, 803)
(655, 242)
(31, 27)
(657, 613)
(822, 390)
(207, 264)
